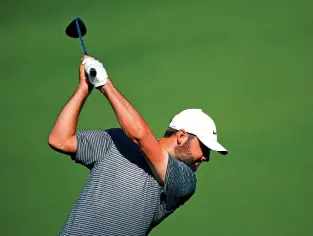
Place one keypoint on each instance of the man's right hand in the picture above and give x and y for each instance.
(83, 77)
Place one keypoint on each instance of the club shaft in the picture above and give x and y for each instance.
(81, 37)
(92, 71)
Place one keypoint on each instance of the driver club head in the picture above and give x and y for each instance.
(72, 31)
(77, 29)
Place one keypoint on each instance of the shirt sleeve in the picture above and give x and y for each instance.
(180, 183)
(92, 147)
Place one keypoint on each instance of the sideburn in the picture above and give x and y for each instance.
(183, 154)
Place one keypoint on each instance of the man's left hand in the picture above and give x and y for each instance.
(101, 78)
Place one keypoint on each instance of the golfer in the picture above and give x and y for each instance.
(135, 180)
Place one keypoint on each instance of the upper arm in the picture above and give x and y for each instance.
(92, 147)
(88, 147)
(63, 145)
(155, 155)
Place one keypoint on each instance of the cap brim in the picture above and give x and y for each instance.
(214, 145)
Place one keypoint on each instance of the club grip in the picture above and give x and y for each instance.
(93, 72)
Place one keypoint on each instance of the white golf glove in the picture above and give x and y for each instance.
(101, 78)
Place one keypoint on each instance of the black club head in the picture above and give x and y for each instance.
(71, 29)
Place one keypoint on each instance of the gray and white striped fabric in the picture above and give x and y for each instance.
(121, 197)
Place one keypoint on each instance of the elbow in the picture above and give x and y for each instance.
(141, 133)
(52, 141)
(136, 131)
(55, 142)
(62, 144)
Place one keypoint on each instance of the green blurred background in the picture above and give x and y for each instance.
(248, 64)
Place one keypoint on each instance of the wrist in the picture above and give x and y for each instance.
(105, 88)
(84, 89)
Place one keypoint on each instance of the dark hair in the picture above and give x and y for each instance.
(170, 132)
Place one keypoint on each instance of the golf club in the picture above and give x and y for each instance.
(77, 29)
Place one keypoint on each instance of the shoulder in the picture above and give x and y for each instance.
(180, 183)
(118, 136)
(180, 173)
(98, 133)
(116, 132)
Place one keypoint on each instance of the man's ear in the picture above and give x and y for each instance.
(181, 136)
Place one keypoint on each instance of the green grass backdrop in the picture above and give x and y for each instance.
(248, 64)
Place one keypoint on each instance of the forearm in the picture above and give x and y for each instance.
(66, 123)
(128, 117)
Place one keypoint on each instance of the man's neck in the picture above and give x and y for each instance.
(168, 144)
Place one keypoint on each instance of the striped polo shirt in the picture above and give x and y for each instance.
(121, 196)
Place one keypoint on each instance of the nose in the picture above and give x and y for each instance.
(203, 158)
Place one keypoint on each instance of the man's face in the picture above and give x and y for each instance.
(190, 150)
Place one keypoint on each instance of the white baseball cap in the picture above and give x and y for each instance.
(196, 122)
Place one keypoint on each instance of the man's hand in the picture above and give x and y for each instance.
(84, 84)
(101, 78)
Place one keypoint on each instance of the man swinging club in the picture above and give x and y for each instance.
(135, 180)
